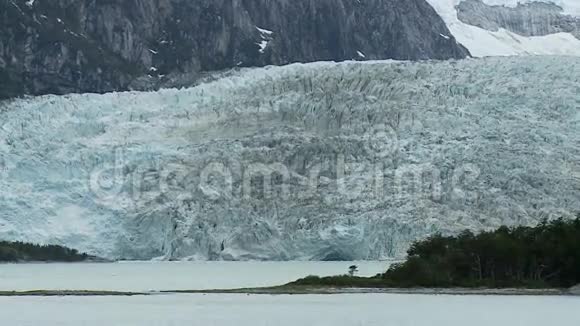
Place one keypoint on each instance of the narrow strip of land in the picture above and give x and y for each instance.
(291, 290)
(68, 293)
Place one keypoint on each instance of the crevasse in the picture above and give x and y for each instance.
(322, 161)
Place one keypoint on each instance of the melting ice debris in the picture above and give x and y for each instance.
(445, 36)
(30, 3)
(308, 161)
(153, 51)
(360, 54)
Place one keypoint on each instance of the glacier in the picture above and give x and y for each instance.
(483, 43)
(570, 7)
(320, 161)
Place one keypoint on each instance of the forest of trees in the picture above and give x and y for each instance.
(545, 256)
(26, 252)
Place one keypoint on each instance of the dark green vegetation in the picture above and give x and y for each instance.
(26, 252)
(545, 256)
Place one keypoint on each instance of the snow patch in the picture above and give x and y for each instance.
(482, 43)
(263, 45)
(570, 7)
(266, 36)
(264, 31)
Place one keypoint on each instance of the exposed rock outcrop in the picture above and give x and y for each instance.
(527, 19)
(63, 46)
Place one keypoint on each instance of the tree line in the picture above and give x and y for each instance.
(27, 252)
(547, 255)
(544, 256)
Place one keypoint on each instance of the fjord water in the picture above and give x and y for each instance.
(159, 276)
(285, 310)
(224, 309)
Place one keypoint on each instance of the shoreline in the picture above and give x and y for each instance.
(70, 293)
(289, 290)
(298, 291)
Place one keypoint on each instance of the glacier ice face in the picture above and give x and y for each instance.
(308, 161)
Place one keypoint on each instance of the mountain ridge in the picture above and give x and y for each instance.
(68, 46)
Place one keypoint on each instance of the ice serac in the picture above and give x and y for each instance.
(64, 46)
(319, 161)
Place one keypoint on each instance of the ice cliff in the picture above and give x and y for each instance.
(306, 161)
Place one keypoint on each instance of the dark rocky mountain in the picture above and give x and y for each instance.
(63, 46)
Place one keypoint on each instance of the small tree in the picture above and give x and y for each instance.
(352, 270)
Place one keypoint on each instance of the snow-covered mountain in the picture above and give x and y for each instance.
(506, 27)
(570, 7)
(306, 161)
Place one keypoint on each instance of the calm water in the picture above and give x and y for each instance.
(301, 310)
(251, 310)
(146, 276)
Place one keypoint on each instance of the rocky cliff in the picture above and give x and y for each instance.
(63, 46)
(513, 27)
(528, 19)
